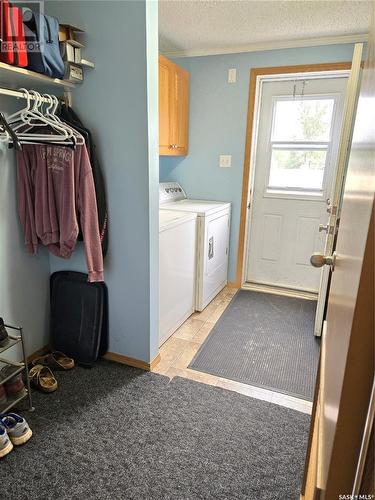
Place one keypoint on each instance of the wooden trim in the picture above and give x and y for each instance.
(312, 434)
(232, 284)
(137, 363)
(110, 356)
(40, 352)
(278, 290)
(254, 73)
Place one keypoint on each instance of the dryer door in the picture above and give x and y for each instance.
(214, 257)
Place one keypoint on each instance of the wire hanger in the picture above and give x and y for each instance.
(295, 88)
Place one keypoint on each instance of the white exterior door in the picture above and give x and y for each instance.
(296, 155)
(334, 208)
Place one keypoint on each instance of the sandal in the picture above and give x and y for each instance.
(42, 378)
(55, 359)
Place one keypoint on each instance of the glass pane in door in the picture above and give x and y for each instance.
(297, 169)
(302, 119)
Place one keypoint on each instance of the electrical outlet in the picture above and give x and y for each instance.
(225, 161)
(232, 75)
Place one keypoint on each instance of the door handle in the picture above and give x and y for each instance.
(320, 260)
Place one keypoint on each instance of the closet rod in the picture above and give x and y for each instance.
(19, 94)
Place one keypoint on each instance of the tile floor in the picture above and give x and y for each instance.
(177, 352)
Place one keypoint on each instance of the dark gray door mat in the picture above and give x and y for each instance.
(264, 340)
(115, 432)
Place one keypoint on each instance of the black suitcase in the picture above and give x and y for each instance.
(79, 317)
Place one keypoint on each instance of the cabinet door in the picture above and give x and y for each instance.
(180, 111)
(173, 108)
(165, 105)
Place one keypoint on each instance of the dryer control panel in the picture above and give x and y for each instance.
(170, 191)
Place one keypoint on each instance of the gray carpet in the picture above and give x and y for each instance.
(115, 432)
(264, 340)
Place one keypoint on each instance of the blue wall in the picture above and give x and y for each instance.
(118, 103)
(218, 112)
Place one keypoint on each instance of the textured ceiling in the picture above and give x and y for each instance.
(210, 25)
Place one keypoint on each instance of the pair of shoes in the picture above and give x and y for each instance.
(14, 431)
(3, 333)
(55, 359)
(41, 375)
(13, 388)
(42, 378)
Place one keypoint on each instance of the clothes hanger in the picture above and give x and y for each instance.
(33, 117)
(9, 132)
(28, 118)
(23, 123)
(51, 113)
(18, 114)
(29, 115)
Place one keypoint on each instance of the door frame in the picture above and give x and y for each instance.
(257, 75)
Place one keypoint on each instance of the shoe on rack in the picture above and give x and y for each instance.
(14, 387)
(6, 445)
(3, 333)
(17, 428)
(3, 396)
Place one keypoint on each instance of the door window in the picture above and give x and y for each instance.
(300, 143)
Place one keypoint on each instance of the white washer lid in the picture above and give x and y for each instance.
(200, 207)
(171, 218)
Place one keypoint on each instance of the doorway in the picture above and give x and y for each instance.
(297, 135)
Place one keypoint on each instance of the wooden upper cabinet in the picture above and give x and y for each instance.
(173, 108)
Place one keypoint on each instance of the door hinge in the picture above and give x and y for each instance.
(331, 209)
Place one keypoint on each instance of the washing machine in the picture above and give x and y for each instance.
(213, 227)
(177, 265)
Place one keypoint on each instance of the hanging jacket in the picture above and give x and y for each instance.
(70, 117)
(55, 190)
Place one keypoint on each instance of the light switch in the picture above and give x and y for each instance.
(225, 161)
(232, 75)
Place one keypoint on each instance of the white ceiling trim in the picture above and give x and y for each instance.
(282, 44)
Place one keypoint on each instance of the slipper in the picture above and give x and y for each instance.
(42, 378)
(55, 359)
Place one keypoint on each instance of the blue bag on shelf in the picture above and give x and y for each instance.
(43, 50)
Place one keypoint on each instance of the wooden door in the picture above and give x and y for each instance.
(165, 105)
(347, 362)
(180, 111)
(173, 108)
(332, 219)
